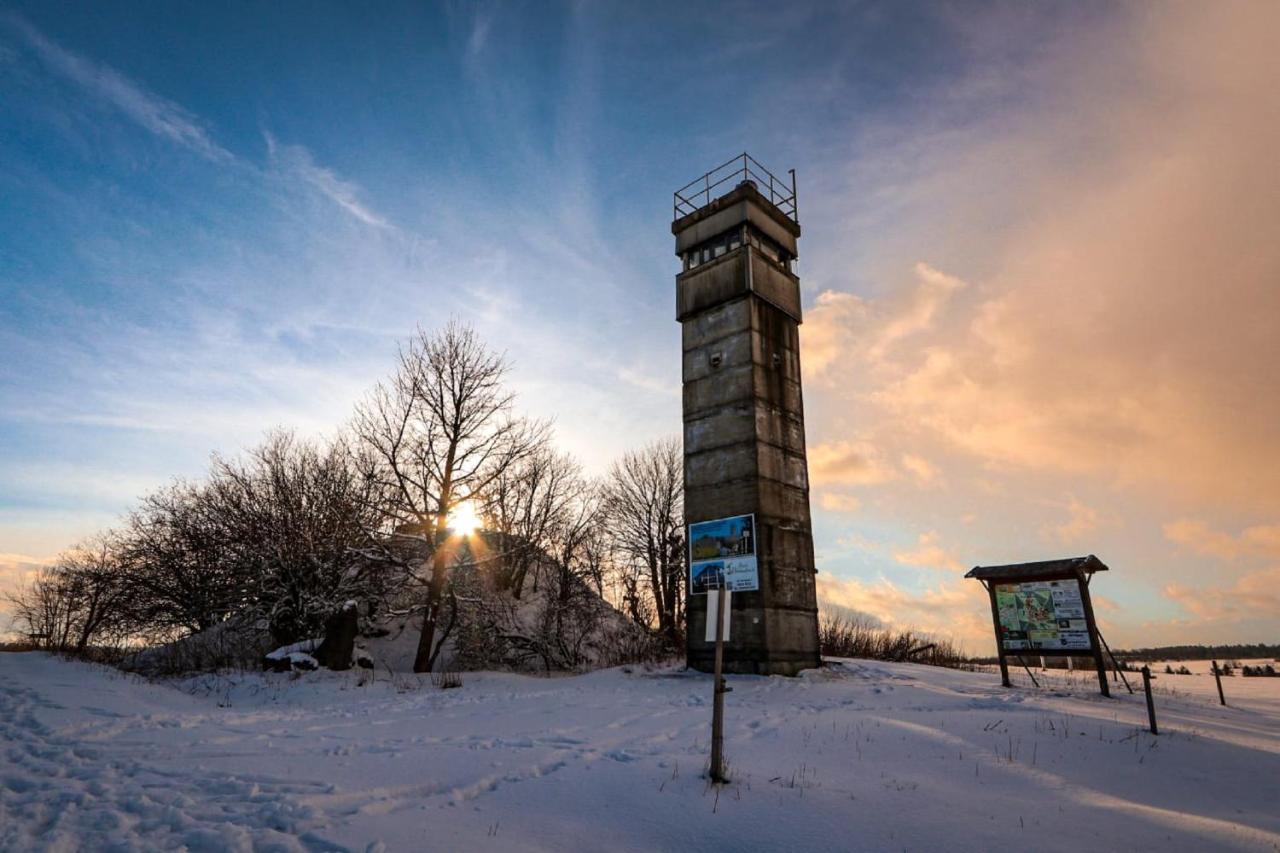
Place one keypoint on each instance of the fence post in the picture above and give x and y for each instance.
(1151, 705)
(1217, 674)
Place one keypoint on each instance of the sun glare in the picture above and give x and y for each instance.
(464, 520)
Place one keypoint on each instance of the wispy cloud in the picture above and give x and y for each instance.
(157, 114)
(297, 161)
(478, 37)
(171, 121)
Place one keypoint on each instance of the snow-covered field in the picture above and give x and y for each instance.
(859, 756)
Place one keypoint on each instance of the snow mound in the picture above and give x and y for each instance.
(228, 645)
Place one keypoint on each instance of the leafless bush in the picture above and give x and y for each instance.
(840, 635)
(447, 678)
(620, 644)
(297, 517)
(178, 562)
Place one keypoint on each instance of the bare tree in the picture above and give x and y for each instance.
(442, 431)
(95, 583)
(534, 507)
(644, 503)
(42, 608)
(78, 600)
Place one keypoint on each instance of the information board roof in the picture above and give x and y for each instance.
(1042, 569)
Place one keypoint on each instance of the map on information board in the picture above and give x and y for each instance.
(1043, 615)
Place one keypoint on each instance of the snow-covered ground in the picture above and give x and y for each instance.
(859, 756)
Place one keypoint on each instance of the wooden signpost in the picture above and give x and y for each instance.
(722, 559)
(1044, 609)
(717, 702)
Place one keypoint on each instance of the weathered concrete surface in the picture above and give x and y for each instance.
(744, 432)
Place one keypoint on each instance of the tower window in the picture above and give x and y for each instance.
(714, 248)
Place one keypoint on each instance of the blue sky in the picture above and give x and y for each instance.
(218, 218)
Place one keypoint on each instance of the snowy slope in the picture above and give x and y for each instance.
(862, 756)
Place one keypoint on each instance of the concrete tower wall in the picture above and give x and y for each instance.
(744, 442)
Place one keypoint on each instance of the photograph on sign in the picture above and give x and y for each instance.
(707, 576)
(723, 551)
(1042, 615)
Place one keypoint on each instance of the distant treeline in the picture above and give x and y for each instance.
(1162, 653)
(1240, 651)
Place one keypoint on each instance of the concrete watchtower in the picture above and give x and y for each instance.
(738, 304)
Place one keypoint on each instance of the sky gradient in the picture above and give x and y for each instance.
(1039, 263)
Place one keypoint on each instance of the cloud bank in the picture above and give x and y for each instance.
(1092, 305)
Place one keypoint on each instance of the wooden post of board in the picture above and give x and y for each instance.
(1029, 672)
(717, 703)
(1114, 662)
(995, 619)
(1094, 643)
(1151, 705)
(1217, 675)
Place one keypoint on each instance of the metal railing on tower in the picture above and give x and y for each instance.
(703, 190)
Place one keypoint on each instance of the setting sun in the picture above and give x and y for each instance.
(465, 519)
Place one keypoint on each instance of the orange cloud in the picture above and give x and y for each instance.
(1081, 521)
(838, 502)
(1262, 540)
(925, 473)
(842, 329)
(829, 332)
(1254, 595)
(929, 554)
(848, 463)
